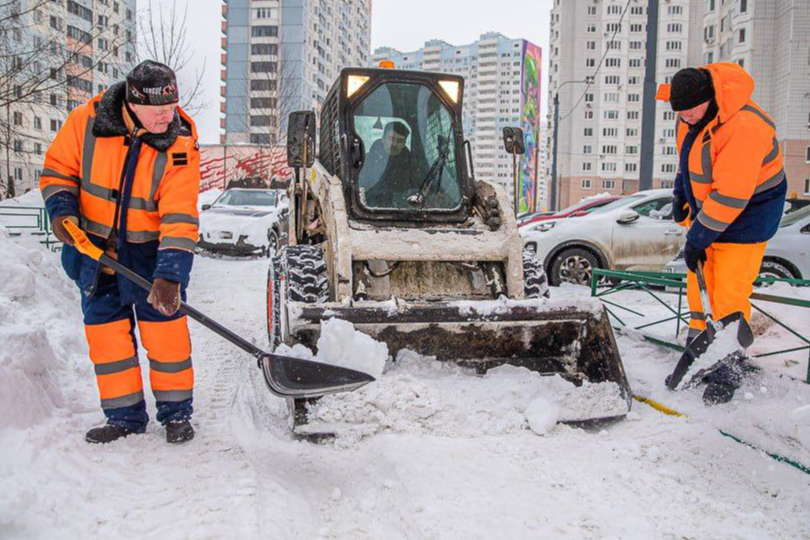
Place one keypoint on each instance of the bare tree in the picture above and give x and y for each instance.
(163, 36)
(41, 70)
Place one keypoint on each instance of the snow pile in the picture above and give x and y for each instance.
(421, 395)
(725, 343)
(341, 345)
(40, 332)
(486, 308)
(31, 199)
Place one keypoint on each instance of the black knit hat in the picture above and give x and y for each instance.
(690, 88)
(152, 83)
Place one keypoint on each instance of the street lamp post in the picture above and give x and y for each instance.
(556, 136)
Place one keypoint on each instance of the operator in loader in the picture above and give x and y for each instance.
(730, 191)
(392, 163)
(126, 168)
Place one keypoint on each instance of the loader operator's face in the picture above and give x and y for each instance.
(155, 118)
(394, 142)
(695, 114)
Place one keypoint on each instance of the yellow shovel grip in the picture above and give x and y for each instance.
(81, 242)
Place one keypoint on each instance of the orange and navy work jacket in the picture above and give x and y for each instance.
(731, 171)
(84, 175)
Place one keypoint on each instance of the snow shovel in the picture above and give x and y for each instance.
(286, 376)
(702, 342)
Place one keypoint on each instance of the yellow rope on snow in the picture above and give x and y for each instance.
(658, 406)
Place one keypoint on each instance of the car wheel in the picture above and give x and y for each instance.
(574, 265)
(273, 242)
(774, 269)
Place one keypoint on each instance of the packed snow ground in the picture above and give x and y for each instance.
(470, 468)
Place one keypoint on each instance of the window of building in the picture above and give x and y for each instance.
(741, 36)
(264, 31)
(261, 121)
(613, 62)
(635, 45)
(261, 85)
(635, 62)
(587, 166)
(586, 183)
(264, 49)
(637, 10)
(668, 168)
(807, 187)
(260, 138)
(37, 122)
(633, 98)
(614, 10)
(675, 10)
(743, 6)
(673, 62)
(614, 27)
(38, 149)
(674, 28)
(631, 132)
(56, 23)
(711, 5)
(612, 79)
(708, 32)
(18, 118)
(669, 115)
(630, 167)
(611, 97)
(631, 150)
(636, 28)
(591, 10)
(589, 98)
(591, 28)
(807, 157)
(590, 45)
(668, 151)
(588, 132)
(262, 103)
(633, 81)
(608, 167)
(588, 114)
(609, 149)
(673, 45)
(610, 132)
(266, 13)
(611, 114)
(263, 67)
(79, 35)
(587, 149)
(608, 184)
(632, 115)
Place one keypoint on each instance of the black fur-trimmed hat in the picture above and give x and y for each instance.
(152, 83)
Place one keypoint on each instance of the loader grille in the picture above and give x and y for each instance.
(329, 151)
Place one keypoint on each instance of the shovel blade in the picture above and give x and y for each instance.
(701, 343)
(287, 377)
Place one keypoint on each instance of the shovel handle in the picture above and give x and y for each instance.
(705, 304)
(86, 247)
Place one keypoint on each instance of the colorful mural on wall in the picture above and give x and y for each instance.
(530, 123)
(221, 165)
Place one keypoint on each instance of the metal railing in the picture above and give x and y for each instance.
(658, 284)
(30, 221)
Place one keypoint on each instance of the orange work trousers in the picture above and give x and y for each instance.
(730, 271)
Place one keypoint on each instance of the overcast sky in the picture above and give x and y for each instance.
(402, 24)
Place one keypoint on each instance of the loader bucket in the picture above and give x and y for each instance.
(574, 341)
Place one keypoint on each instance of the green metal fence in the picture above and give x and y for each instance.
(660, 284)
(30, 221)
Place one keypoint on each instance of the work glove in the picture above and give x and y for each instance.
(680, 209)
(60, 232)
(165, 296)
(692, 255)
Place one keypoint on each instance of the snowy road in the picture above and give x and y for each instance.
(650, 477)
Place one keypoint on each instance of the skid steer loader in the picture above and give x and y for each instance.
(390, 231)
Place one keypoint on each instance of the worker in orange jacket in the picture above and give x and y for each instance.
(126, 168)
(731, 187)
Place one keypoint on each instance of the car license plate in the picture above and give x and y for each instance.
(226, 235)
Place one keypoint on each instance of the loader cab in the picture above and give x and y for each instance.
(395, 140)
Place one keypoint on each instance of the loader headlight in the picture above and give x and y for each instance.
(451, 89)
(354, 83)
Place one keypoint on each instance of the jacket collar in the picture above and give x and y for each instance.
(110, 122)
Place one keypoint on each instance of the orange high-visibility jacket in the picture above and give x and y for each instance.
(87, 160)
(735, 171)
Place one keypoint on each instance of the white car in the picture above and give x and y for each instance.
(244, 222)
(788, 253)
(635, 232)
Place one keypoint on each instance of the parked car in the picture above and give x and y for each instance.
(582, 208)
(526, 216)
(635, 232)
(788, 253)
(244, 222)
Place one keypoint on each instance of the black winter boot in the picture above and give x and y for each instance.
(722, 383)
(107, 434)
(179, 432)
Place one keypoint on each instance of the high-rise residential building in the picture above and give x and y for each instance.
(771, 40)
(597, 67)
(57, 55)
(284, 55)
(501, 88)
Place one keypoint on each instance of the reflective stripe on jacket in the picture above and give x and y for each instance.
(736, 173)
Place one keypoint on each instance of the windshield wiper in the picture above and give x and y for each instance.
(435, 172)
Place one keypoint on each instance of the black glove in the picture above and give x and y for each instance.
(680, 209)
(59, 230)
(692, 255)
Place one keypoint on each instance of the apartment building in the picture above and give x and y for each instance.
(59, 54)
(281, 56)
(771, 40)
(597, 68)
(502, 83)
